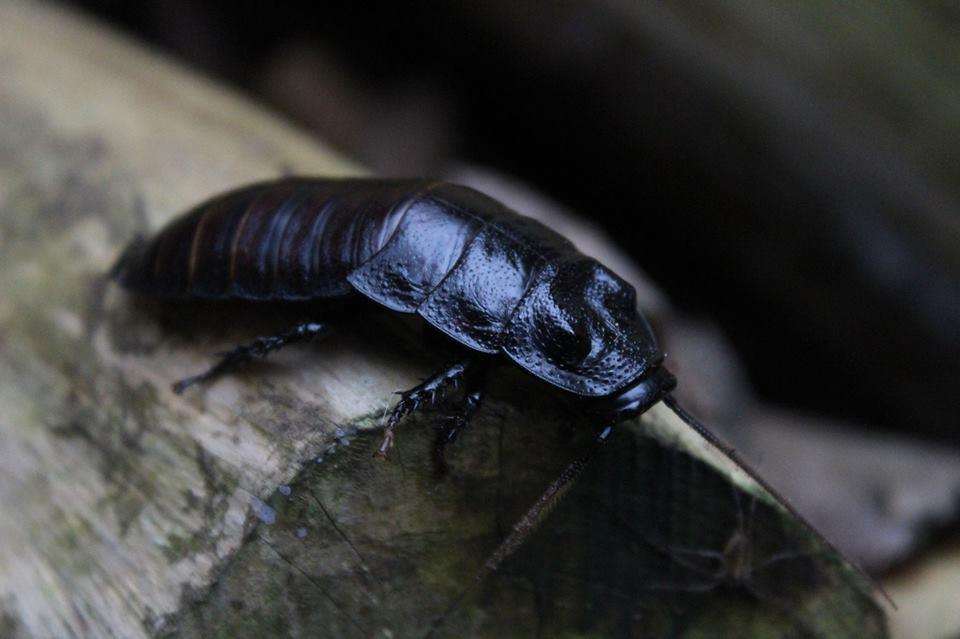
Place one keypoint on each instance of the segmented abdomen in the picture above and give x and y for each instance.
(284, 240)
(460, 259)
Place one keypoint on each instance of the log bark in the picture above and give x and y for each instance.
(252, 507)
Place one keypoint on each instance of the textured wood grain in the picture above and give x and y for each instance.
(253, 506)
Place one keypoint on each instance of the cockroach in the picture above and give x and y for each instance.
(500, 284)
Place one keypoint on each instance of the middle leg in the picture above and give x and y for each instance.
(457, 414)
(425, 395)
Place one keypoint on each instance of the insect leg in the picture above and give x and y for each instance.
(423, 395)
(680, 555)
(257, 348)
(461, 412)
(539, 511)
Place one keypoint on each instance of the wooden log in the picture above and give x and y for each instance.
(252, 507)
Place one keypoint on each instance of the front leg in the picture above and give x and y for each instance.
(424, 395)
(259, 347)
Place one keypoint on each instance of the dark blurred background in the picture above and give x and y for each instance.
(788, 170)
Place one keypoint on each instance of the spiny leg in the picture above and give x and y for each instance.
(423, 395)
(457, 419)
(543, 506)
(259, 347)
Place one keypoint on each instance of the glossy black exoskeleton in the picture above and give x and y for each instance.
(500, 284)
